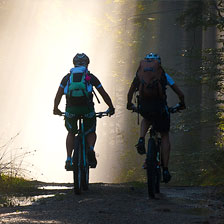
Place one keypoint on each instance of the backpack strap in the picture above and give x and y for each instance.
(96, 96)
(69, 81)
(82, 80)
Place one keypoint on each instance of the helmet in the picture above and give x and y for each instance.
(81, 59)
(153, 56)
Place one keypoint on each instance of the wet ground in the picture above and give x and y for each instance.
(118, 203)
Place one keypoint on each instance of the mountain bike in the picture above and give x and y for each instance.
(80, 163)
(153, 157)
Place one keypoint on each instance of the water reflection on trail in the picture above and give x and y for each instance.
(48, 191)
(55, 187)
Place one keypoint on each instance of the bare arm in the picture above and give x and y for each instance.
(180, 94)
(105, 97)
(57, 101)
(131, 93)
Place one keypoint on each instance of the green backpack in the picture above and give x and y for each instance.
(77, 88)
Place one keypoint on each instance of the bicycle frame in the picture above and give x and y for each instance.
(79, 156)
(153, 159)
(80, 161)
(82, 134)
(157, 137)
(153, 156)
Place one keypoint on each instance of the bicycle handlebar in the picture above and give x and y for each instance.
(172, 109)
(175, 108)
(102, 114)
(98, 114)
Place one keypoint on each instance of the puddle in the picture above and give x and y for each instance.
(30, 200)
(54, 188)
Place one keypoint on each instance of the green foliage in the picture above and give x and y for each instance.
(213, 173)
(208, 164)
(132, 32)
(11, 172)
(12, 159)
(203, 13)
(9, 184)
(211, 70)
(220, 139)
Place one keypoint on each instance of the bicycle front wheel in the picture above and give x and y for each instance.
(77, 170)
(85, 172)
(85, 178)
(151, 167)
(158, 179)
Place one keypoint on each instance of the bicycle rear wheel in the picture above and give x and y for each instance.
(77, 170)
(151, 167)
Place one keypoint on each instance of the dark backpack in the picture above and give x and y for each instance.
(152, 80)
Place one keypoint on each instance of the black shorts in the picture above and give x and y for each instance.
(157, 113)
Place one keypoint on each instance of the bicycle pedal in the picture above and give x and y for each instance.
(92, 166)
(69, 168)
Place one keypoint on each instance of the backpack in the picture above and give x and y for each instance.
(152, 80)
(77, 83)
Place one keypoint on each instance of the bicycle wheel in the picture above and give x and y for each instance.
(158, 179)
(85, 178)
(151, 167)
(85, 173)
(77, 170)
(158, 167)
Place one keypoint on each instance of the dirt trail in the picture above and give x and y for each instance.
(122, 203)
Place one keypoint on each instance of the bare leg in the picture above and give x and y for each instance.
(143, 130)
(70, 143)
(165, 148)
(144, 127)
(91, 139)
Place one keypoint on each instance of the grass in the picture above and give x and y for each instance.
(13, 185)
(13, 160)
(13, 169)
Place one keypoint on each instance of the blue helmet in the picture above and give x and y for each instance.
(153, 56)
(81, 60)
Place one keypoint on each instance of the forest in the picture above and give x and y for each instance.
(188, 35)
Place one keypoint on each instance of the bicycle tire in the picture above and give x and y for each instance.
(151, 167)
(85, 178)
(158, 180)
(85, 173)
(77, 164)
(158, 167)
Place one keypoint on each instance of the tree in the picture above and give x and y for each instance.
(203, 13)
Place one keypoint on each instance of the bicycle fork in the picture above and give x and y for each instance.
(83, 142)
(157, 140)
(158, 154)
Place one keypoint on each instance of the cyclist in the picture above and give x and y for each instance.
(79, 101)
(158, 107)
